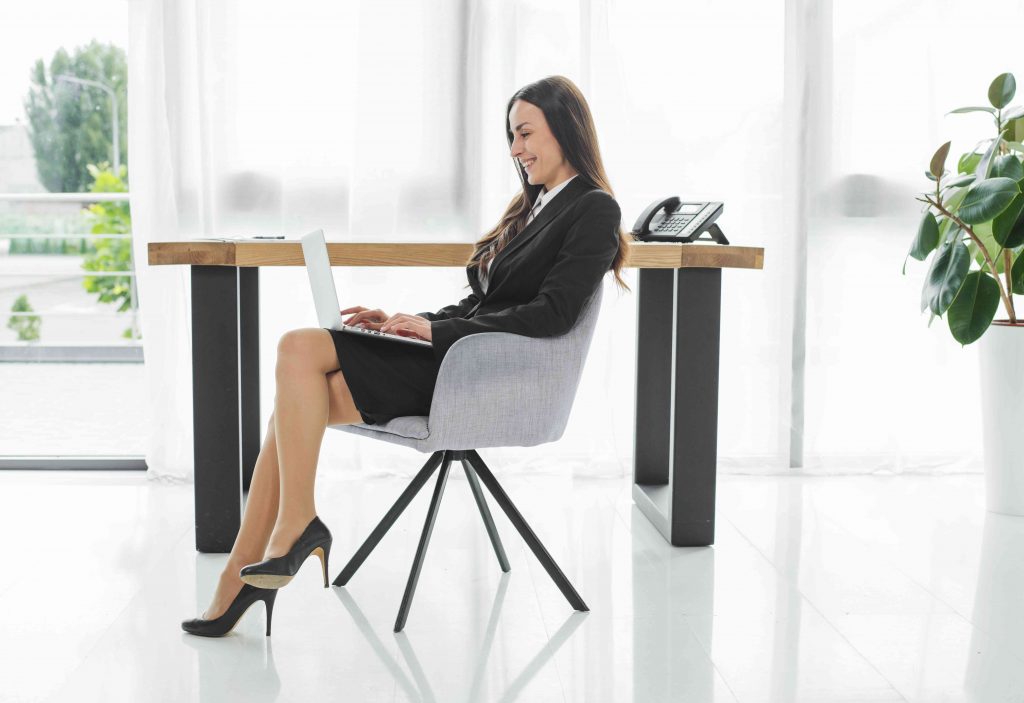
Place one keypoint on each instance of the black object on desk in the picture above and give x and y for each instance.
(671, 220)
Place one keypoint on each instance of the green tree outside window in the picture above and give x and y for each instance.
(70, 125)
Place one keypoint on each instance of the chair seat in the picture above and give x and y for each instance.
(409, 426)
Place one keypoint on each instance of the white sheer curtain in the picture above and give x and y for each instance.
(884, 392)
(812, 121)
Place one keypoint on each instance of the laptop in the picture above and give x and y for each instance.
(325, 295)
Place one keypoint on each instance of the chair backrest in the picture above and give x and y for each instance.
(496, 389)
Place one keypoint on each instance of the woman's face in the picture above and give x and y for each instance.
(534, 146)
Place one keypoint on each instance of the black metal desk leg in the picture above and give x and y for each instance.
(249, 347)
(676, 434)
(215, 407)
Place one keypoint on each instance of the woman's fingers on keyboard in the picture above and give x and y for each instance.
(368, 318)
(358, 309)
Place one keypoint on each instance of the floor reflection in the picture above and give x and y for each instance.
(788, 601)
(841, 589)
(675, 617)
(235, 663)
(419, 688)
(998, 605)
(669, 661)
(249, 660)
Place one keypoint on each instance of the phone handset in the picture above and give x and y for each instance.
(672, 220)
(643, 223)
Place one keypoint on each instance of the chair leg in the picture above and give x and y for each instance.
(485, 513)
(389, 519)
(421, 549)
(524, 529)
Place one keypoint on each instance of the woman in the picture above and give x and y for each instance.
(570, 237)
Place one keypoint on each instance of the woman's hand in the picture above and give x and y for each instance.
(407, 326)
(364, 317)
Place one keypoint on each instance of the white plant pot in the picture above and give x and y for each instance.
(1001, 354)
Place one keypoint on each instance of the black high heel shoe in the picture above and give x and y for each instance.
(218, 627)
(278, 571)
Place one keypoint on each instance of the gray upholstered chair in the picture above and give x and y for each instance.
(494, 389)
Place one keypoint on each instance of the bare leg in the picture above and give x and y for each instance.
(264, 501)
(257, 522)
(302, 410)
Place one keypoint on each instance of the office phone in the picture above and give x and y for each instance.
(671, 220)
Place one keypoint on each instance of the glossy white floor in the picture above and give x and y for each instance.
(817, 589)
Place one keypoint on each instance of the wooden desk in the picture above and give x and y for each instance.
(678, 318)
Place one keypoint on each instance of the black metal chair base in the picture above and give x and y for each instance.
(474, 467)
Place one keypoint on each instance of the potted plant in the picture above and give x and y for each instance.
(973, 228)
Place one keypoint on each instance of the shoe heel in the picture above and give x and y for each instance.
(323, 552)
(268, 601)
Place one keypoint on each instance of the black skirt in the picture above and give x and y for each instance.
(387, 379)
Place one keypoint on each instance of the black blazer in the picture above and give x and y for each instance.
(540, 280)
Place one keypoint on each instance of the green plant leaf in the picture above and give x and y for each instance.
(962, 180)
(947, 272)
(1013, 113)
(983, 232)
(968, 163)
(938, 163)
(1001, 90)
(980, 259)
(984, 167)
(974, 307)
(962, 110)
(929, 176)
(1017, 274)
(1015, 145)
(1014, 129)
(1007, 166)
(944, 223)
(927, 237)
(1005, 222)
(986, 199)
(1015, 237)
(952, 202)
(948, 230)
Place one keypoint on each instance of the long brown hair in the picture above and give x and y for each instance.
(572, 125)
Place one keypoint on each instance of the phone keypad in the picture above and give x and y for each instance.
(673, 223)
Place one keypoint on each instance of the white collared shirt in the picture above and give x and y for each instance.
(543, 197)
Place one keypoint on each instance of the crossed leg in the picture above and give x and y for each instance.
(311, 394)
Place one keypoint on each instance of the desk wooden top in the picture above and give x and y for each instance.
(289, 253)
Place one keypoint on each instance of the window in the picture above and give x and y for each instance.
(71, 375)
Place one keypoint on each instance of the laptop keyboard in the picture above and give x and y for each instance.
(367, 330)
